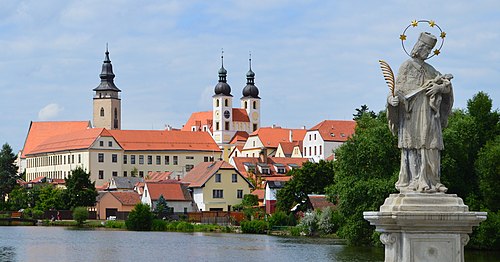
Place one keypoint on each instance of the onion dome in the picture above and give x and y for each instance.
(107, 76)
(250, 90)
(222, 88)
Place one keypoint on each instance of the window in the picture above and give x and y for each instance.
(208, 159)
(101, 174)
(124, 173)
(100, 157)
(254, 127)
(141, 159)
(265, 170)
(217, 178)
(314, 150)
(305, 151)
(124, 159)
(217, 103)
(167, 160)
(79, 158)
(141, 173)
(189, 167)
(314, 136)
(320, 150)
(72, 159)
(246, 104)
(310, 153)
(254, 104)
(150, 160)
(175, 160)
(132, 159)
(226, 102)
(310, 137)
(115, 173)
(114, 158)
(234, 178)
(226, 127)
(217, 126)
(158, 160)
(239, 193)
(64, 158)
(218, 193)
(101, 143)
(281, 170)
(102, 111)
(189, 157)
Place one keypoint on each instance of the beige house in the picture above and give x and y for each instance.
(217, 186)
(111, 203)
(175, 193)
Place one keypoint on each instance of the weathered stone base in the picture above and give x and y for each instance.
(424, 227)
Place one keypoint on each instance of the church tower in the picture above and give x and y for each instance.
(107, 102)
(222, 108)
(251, 100)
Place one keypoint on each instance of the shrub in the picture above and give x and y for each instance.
(140, 218)
(280, 218)
(80, 214)
(159, 225)
(172, 226)
(326, 222)
(486, 235)
(310, 223)
(115, 224)
(185, 227)
(254, 226)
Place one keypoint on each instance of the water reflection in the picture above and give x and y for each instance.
(7, 253)
(60, 244)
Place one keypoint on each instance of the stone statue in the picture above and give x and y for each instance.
(417, 111)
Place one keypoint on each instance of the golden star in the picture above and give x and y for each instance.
(402, 37)
(436, 52)
(432, 23)
(443, 35)
(414, 23)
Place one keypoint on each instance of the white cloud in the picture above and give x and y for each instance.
(50, 111)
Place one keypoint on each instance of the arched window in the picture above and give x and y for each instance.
(226, 102)
(102, 111)
(254, 104)
(217, 103)
(116, 113)
(246, 104)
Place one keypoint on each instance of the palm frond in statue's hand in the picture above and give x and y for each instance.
(388, 75)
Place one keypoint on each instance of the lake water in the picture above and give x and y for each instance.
(63, 244)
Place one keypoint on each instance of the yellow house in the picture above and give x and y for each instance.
(217, 186)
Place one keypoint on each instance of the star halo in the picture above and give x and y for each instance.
(431, 23)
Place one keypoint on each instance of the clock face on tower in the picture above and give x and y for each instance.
(227, 114)
(255, 116)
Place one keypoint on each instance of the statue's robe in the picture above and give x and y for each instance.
(419, 126)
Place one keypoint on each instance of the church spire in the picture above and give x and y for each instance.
(222, 88)
(107, 76)
(250, 90)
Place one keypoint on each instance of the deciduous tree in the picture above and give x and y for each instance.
(80, 191)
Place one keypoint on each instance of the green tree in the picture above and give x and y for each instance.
(79, 190)
(80, 214)
(18, 198)
(161, 209)
(140, 218)
(8, 172)
(49, 197)
(363, 110)
(366, 169)
(488, 169)
(311, 178)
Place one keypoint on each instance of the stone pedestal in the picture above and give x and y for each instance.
(418, 227)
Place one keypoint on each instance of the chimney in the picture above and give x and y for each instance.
(168, 127)
(263, 155)
(290, 136)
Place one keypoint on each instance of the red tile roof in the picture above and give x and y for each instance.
(271, 161)
(259, 193)
(38, 132)
(70, 141)
(240, 137)
(172, 190)
(200, 119)
(288, 147)
(128, 198)
(158, 175)
(164, 140)
(335, 130)
(271, 137)
(202, 172)
(320, 201)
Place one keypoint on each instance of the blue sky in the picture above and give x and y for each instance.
(313, 60)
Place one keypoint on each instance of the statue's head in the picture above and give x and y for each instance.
(423, 47)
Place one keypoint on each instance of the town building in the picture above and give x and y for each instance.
(268, 139)
(175, 193)
(225, 122)
(217, 186)
(54, 149)
(322, 139)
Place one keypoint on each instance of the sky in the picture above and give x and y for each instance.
(313, 60)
